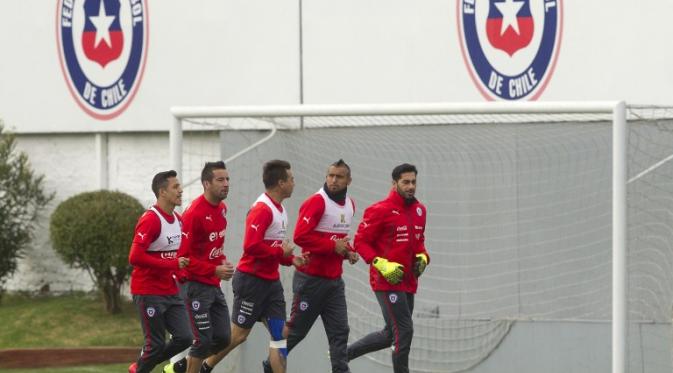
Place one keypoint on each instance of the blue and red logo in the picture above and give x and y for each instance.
(102, 47)
(510, 47)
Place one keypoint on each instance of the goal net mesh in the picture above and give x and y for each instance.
(519, 223)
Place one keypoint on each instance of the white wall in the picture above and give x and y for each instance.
(248, 52)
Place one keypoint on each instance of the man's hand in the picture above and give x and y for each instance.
(224, 271)
(341, 246)
(301, 260)
(183, 262)
(420, 263)
(353, 257)
(288, 248)
(393, 272)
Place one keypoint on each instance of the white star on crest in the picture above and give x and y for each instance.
(102, 23)
(509, 9)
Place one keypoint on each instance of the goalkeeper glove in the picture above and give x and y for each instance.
(391, 271)
(419, 264)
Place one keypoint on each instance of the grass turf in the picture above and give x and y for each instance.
(74, 320)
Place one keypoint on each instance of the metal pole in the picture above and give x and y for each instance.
(619, 179)
(102, 157)
(175, 146)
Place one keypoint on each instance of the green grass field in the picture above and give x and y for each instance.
(114, 368)
(76, 320)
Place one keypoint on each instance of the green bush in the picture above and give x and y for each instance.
(94, 231)
(22, 196)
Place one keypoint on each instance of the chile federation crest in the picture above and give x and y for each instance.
(102, 47)
(510, 47)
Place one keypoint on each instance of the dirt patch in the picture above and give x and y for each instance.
(63, 357)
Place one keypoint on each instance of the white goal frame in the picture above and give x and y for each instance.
(617, 110)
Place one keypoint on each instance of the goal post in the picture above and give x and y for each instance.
(298, 118)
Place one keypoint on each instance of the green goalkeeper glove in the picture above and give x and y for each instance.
(419, 264)
(393, 272)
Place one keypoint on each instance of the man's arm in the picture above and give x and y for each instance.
(256, 223)
(368, 232)
(310, 213)
(147, 230)
(419, 248)
(191, 231)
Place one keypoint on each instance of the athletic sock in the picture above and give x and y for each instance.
(205, 368)
(180, 366)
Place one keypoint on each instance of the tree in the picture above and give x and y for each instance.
(22, 197)
(94, 231)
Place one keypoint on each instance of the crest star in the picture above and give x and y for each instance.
(102, 23)
(509, 9)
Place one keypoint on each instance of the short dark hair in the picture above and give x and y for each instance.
(341, 163)
(403, 168)
(274, 171)
(160, 181)
(207, 172)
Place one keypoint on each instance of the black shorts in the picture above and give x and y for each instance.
(256, 299)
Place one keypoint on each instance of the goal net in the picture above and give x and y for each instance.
(551, 247)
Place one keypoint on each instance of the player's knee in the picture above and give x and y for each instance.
(276, 329)
(220, 342)
(156, 347)
(202, 347)
(237, 339)
(387, 334)
(182, 341)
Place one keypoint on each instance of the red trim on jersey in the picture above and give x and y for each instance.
(148, 336)
(396, 329)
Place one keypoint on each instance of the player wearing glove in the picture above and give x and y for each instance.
(393, 272)
(391, 238)
(419, 264)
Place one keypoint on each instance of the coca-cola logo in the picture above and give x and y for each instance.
(169, 255)
(216, 252)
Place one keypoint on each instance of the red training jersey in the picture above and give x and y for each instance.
(153, 253)
(321, 221)
(394, 230)
(203, 236)
(265, 230)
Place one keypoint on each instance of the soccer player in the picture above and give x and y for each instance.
(322, 227)
(203, 235)
(153, 256)
(391, 238)
(258, 293)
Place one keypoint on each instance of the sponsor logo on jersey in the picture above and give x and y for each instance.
(216, 252)
(102, 46)
(510, 47)
(169, 254)
(172, 239)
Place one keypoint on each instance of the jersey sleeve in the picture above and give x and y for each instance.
(147, 230)
(420, 242)
(310, 213)
(191, 231)
(368, 232)
(256, 223)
